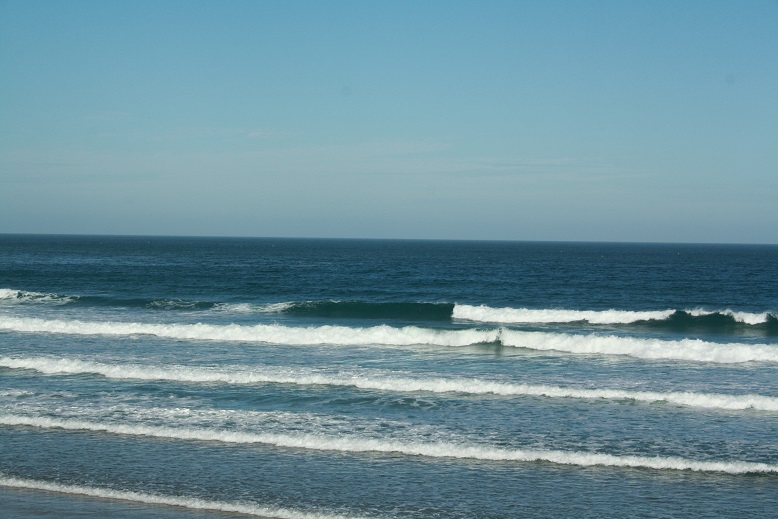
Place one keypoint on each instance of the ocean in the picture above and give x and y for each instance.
(317, 379)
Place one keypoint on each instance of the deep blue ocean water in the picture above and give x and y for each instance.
(204, 377)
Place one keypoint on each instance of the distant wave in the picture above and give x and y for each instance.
(674, 319)
(686, 349)
(721, 320)
(327, 309)
(381, 382)
(160, 499)
(529, 316)
(359, 309)
(10, 296)
(356, 444)
(263, 333)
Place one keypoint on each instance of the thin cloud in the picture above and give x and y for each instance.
(264, 133)
(110, 117)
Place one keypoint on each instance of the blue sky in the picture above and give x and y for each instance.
(515, 120)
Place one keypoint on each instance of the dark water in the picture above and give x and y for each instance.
(183, 377)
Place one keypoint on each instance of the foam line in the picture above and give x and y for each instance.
(382, 383)
(489, 314)
(686, 349)
(266, 333)
(655, 349)
(160, 499)
(9, 295)
(525, 315)
(355, 444)
(741, 317)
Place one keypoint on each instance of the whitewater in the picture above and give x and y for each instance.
(686, 349)
(380, 381)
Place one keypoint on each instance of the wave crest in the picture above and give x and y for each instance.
(653, 349)
(11, 296)
(264, 333)
(489, 314)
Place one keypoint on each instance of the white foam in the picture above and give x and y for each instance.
(686, 349)
(741, 317)
(245, 308)
(167, 500)
(381, 382)
(525, 315)
(15, 393)
(356, 444)
(488, 314)
(9, 295)
(173, 304)
(265, 333)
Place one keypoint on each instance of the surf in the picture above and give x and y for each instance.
(695, 350)
(381, 382)
(354, 444)
(695, 316)
(537, 316)
(262, 333)
(193, 503)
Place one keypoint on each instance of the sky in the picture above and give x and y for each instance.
(489, 120)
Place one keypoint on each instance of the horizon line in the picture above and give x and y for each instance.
(353, 238)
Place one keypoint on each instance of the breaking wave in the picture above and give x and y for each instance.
(690, 318)
(528, 316)
(686, 349)
(264, 333)
(11, 296)
(382, 382)
(356, 444)
(654, 349)
(696, 319)
(160, 499)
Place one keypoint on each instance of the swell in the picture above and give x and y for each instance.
(695, 350)
(689, 320)
(167, 500)
(12, 296)
(356, 444)
(367, 310)
(724, 322)
(326, 309)
(380, 382)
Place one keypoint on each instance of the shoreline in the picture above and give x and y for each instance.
(32, 503)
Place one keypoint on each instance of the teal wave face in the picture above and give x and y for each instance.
(365, 310)
(714, 322)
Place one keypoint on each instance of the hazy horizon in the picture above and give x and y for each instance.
(367, 238)
(516, 121)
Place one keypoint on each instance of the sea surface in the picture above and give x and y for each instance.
(316, 379)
